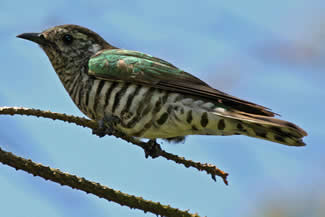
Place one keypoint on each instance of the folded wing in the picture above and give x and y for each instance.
(136, 67)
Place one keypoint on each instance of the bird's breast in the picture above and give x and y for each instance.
(144, 111)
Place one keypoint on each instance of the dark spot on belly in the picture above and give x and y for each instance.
(240, 127)
(221, 124)
(170, 109)
(189, 117)
(204, 119)
(182, 110)
(163, 118)
(194, 128)
(147, 110)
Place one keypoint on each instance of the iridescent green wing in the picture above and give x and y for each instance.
(135, 67)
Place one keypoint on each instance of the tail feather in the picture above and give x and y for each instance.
(267, 128)
(280, 134)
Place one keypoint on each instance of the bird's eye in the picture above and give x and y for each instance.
(67, 39)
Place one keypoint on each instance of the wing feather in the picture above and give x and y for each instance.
(136, 67)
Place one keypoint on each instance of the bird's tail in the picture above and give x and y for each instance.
(267, 128)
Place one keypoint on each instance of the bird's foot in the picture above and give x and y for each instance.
(107, 126)
(152, 149)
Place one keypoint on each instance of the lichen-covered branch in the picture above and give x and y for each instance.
(210, 169)
(97, 189)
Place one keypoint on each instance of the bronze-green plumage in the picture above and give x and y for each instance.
(147, 97)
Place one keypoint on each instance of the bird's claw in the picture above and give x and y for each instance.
(106, 126)
(152, 149)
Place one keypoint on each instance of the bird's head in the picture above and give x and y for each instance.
(68, 43)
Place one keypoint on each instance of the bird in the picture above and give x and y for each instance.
(146, 97)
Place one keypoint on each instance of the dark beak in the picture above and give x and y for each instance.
(35, 37)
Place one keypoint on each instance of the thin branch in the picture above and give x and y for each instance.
(101, 191)
(209, 168)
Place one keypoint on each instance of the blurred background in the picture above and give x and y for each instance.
(268, 52)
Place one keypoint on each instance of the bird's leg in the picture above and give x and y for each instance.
(152, 149)
(107, 125)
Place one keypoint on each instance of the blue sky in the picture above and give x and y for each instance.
(268, 52)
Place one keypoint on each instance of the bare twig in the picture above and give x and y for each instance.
(210, 169)
(97, 189)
